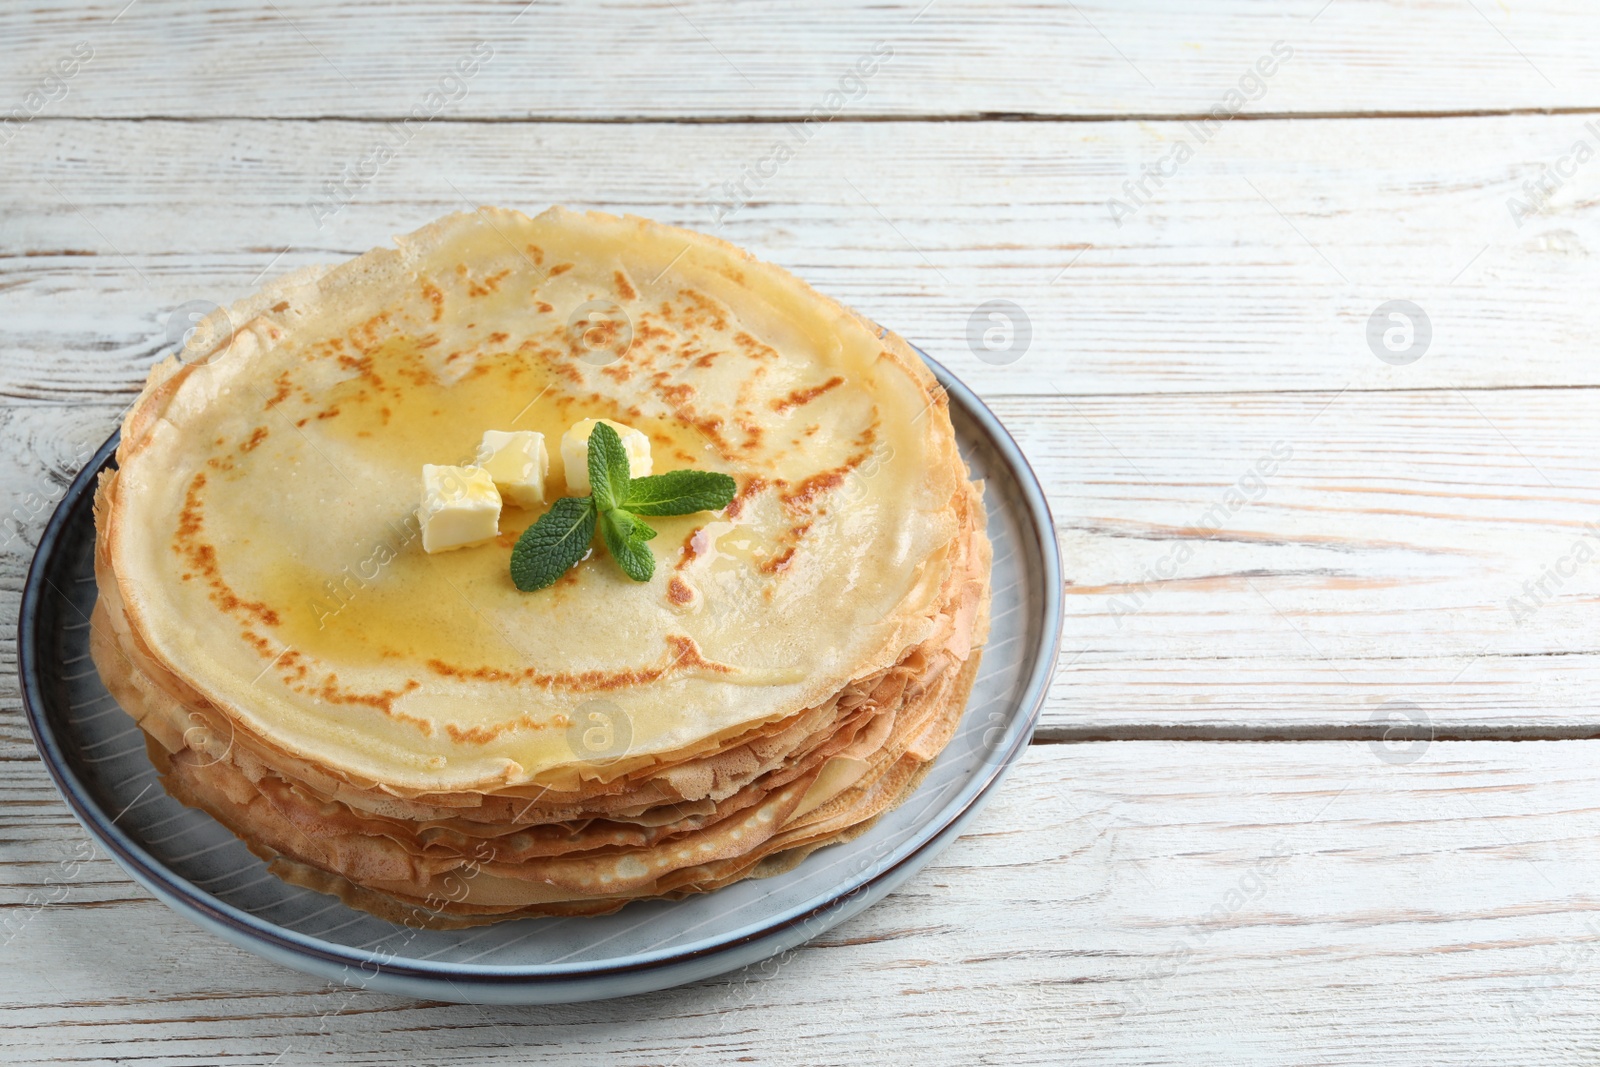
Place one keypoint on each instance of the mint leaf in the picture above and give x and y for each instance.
(549, 548)
(625, 538)
(681, 492)
(608, 467)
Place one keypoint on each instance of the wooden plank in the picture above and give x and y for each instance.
(700, 58)
(1304, 560)
(1288, 564)
(1243, 272)
(1125, 903)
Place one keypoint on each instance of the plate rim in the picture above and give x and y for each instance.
(148, 869)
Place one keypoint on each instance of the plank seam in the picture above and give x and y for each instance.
(782, 118)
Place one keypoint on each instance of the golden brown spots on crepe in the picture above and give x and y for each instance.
(697, 544)
(363, 367)
(679, 397)
(605, 334)
(371, 334)
(293, 668)
(755, 349)
(808, 492)
(201, 556)
(285, 387)
(647, 331)
(490, 284)
(331, 691)
(678, 591)
(560, 268)
(700, 311)
(746, 491)
(752, 434)
(805, 396)
(684, 654)
(778, 563)
(555, 360)
(435, 297)
(624, 288)
(482, 735)
(249, 445)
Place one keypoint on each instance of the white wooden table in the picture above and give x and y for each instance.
(1212, 853)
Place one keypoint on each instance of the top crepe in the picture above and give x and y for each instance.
(264, 541)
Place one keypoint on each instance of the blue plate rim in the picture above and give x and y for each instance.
(146, 868)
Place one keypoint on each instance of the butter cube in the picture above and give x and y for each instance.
(575, 452)
(518, 463)
(460, 506)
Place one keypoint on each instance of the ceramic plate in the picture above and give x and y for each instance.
(96, 755)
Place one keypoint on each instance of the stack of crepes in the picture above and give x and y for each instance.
(413, 733)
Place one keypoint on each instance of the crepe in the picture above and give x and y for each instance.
(378, 720)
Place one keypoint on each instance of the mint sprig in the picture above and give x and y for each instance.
(562, 536)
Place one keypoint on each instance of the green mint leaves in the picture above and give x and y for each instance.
(550, 547)
(679, 493)
(625, 537)
(608, 468)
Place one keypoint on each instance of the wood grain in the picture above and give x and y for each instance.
(1123, 903)
(1375, 560)
(1398, 899)
(632, 60)
(1258, 266)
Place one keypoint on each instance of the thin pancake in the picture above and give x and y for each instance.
(253, 527)
(408, 734)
